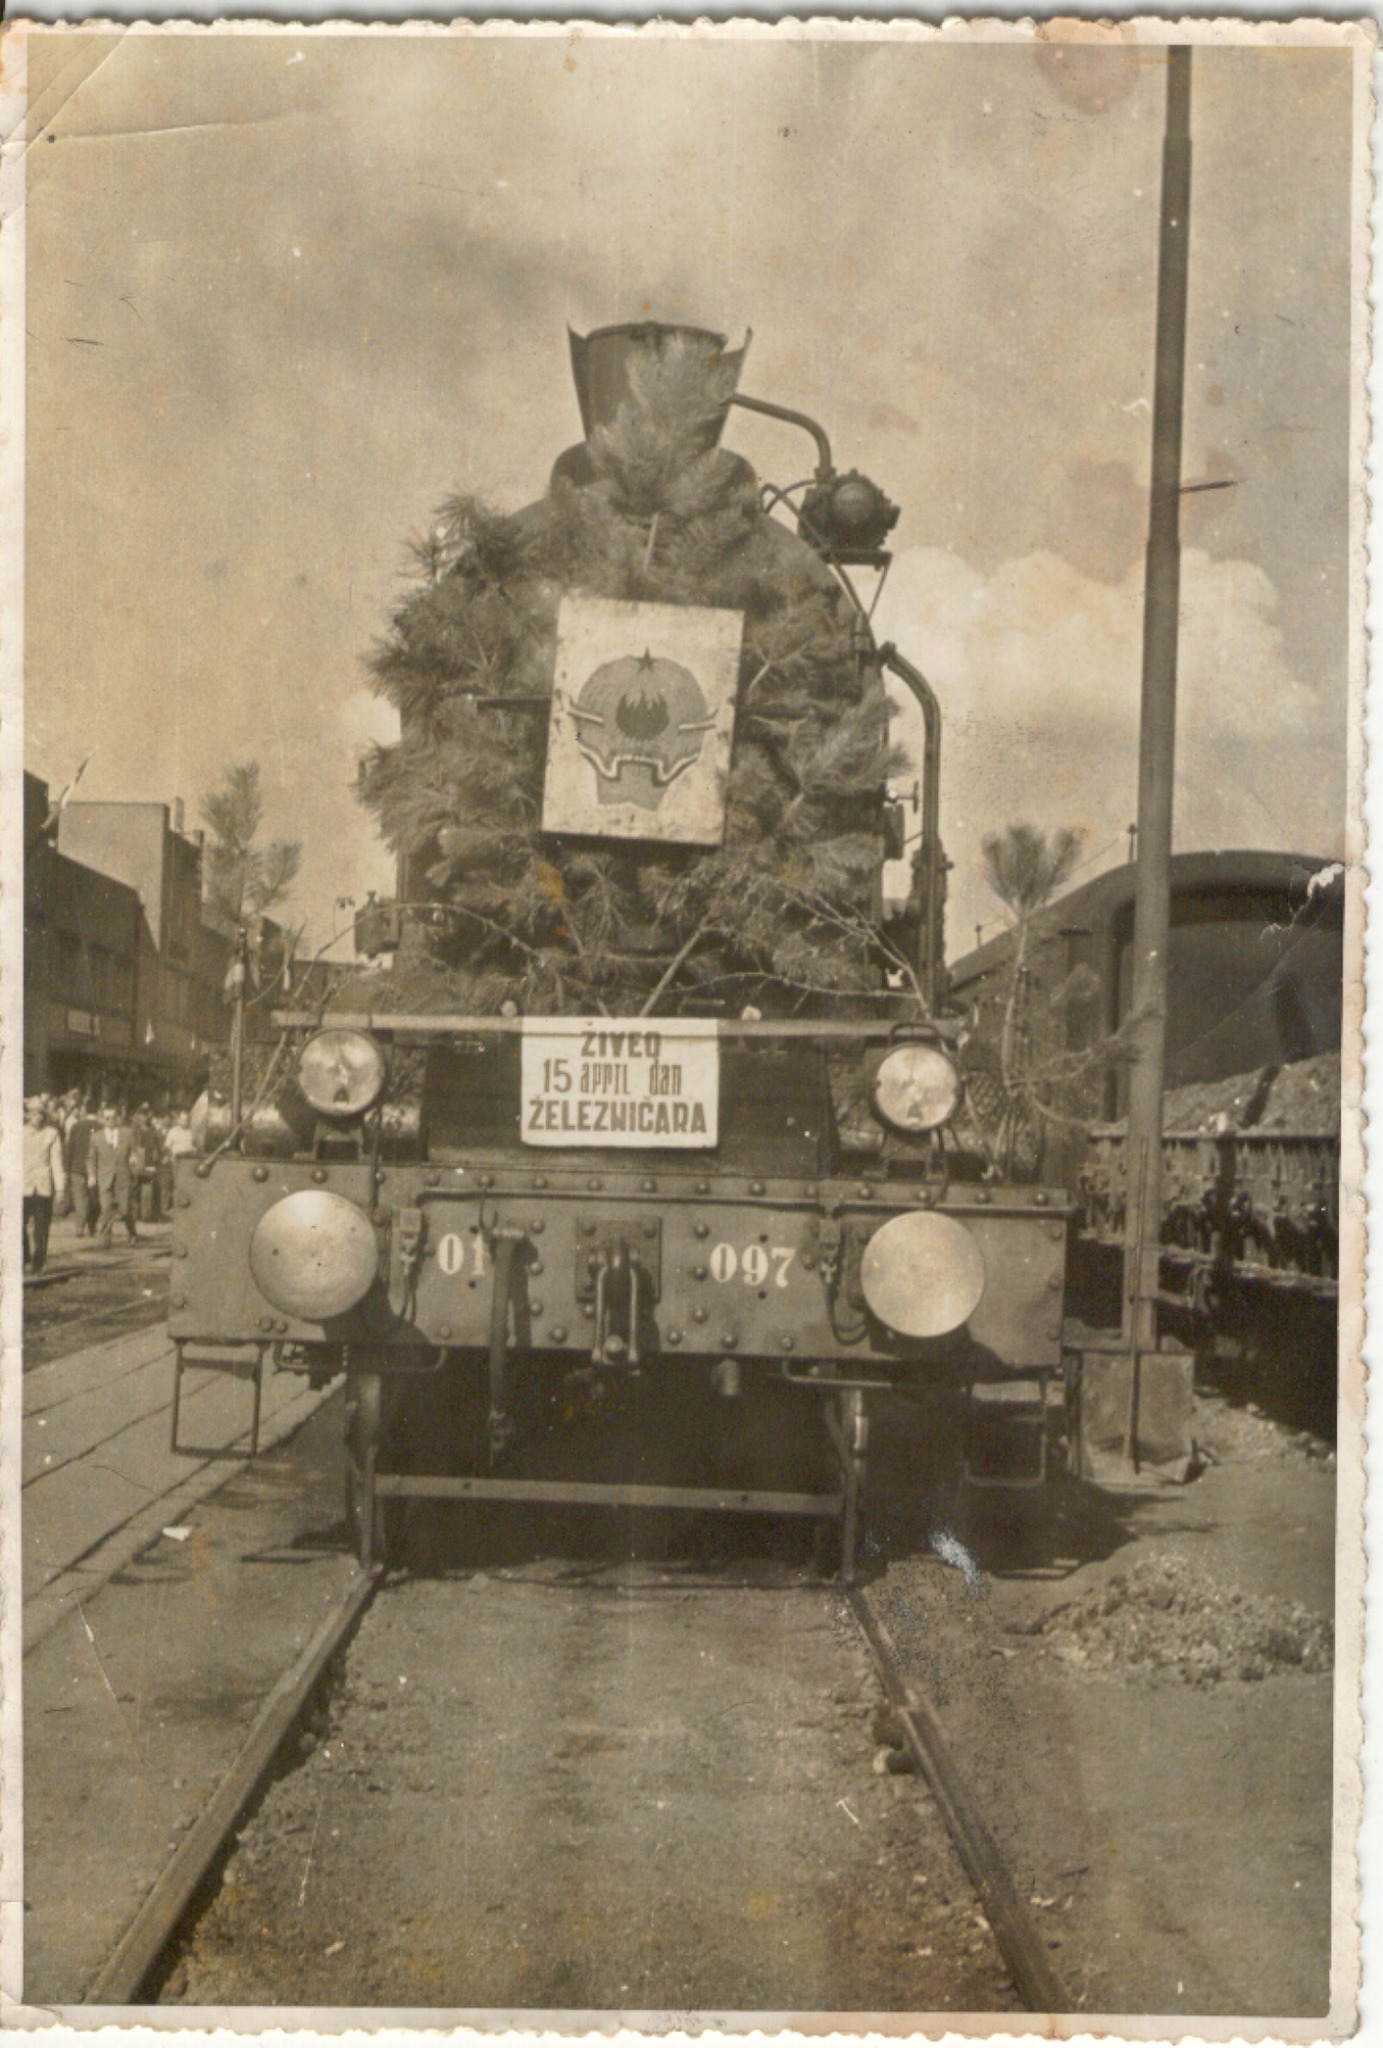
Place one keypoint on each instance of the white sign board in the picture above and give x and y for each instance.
(643, 713)
(620, 1081)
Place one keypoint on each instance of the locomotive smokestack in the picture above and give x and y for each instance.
(601, 362)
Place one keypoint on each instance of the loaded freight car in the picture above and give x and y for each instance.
(652, 1093)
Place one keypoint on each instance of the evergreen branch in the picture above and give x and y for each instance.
(670, 519)
(674, 966)
(569, 929)
(868, 932)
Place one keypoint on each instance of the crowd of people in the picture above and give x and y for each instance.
(99, 1164)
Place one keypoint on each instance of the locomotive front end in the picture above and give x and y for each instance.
(574, 1199)
(687, 1109)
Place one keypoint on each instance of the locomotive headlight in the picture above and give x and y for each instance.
(341, 1073)
(846, 512)
(922, 1274)
(916, 1088)
(314, 1254)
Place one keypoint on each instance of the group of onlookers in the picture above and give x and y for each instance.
(98, 1165)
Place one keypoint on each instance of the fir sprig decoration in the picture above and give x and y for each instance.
(786, 908)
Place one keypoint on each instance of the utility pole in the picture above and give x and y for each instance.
(235, 988)
(1157, 742)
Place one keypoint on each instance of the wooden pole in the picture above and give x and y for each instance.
(1157, 733)
(239, 972)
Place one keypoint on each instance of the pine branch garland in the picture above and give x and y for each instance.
(786, 902)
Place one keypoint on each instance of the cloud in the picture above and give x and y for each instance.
(1038, 669)
(327, 293)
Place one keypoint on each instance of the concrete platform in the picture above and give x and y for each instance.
(147, 1655)
(99, 1478)
(148, 1674)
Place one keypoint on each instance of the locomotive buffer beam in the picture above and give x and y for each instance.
(620, 1280)
(618, 1286)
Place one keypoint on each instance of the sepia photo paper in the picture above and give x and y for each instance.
(681, 941)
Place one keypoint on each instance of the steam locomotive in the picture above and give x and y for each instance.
(471, 1215)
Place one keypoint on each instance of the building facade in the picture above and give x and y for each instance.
(124, 980)
(82, 942)
(180, 1009)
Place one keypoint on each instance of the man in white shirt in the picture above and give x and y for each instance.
(178, 1143)
(45, 1177)
(179, 1140)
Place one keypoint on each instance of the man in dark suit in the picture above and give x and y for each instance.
(113, 1166)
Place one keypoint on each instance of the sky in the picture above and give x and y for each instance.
(288, 291)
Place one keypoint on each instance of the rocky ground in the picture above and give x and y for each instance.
(1164, 1619)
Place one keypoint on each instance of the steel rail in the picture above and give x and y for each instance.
(128, 1968)
(1020, 1939)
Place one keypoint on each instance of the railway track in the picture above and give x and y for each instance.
(135, 1960)
(70, 1307)
(57, 1336)
(140, 1961)
(1017, 1933)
